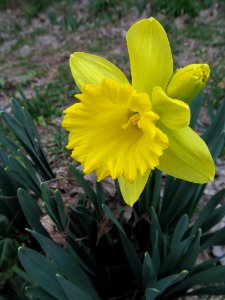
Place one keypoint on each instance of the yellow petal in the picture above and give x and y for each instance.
(150, 55)
(187, 157)
(173, 113)
(187, 82)
(88, 68)
(132, 191)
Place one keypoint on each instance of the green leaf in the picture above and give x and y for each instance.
(54, 206)
(60, 209)
(216, 216)
(216, 131)
(23, 116)
(39, 294)
(151, 294)
(156, 229)
(7, 143)
(23, 127)
(213, 275)
(210, 290)
(18, 130)
(207, 211)
(211, 239)
(176, 256)
(156, 260)
(182, 197)
(4, 224)
(180, 230)
(155, 191)
(9, 205)
(100, 199)
(66, 264)
(41, 271)
(210, 109)
(208, 264)
(73, 292)
(76, 252)
(21, 273)
(191, 254)
(6, 187)
(131, 255)
(31, 211)
(83, 183)
(172, 206)
(165, 283)
(195, 106)
(87, 189)
(148, 273)
(19, 173)
(8, 254)
(85, 223)
(151, 193)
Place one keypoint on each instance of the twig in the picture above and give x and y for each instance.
(58, 178)
(8, 197)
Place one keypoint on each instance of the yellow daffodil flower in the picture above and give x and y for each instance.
(125, 131)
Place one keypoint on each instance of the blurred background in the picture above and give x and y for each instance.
(38, 36)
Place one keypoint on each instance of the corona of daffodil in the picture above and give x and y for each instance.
(125, 130)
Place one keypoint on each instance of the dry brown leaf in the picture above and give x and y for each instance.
(104, 226)
(57, 236)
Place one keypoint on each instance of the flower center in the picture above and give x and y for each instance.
(133, 120)
(201, 73)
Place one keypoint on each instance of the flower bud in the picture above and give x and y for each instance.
(187, 82)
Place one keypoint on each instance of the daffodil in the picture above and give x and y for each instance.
(125, 130)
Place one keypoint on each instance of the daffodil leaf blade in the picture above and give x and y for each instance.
(148, 272)
(215, 133)
(180, 230)
(152, 294)
(131, 254)
(71, 291)
(166, 282)
(31, 211)
(195, 106)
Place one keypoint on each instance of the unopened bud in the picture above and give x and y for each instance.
(187, 82)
